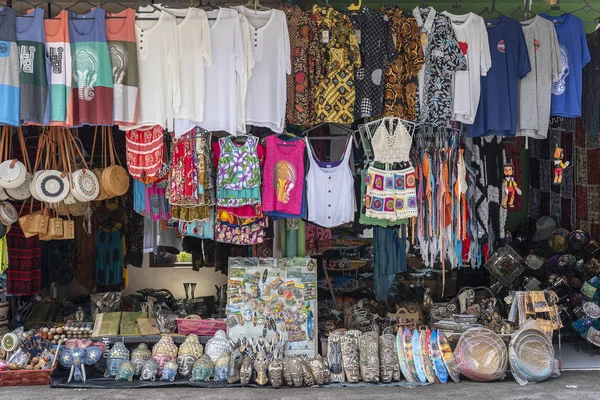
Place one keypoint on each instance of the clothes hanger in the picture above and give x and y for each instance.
(31, 7)
(293, 138)
(109, 15)
(76, 16)
(491, 11)
(256, 6)
(587, 8)
(138, 11)
(524, 12)
(354, 7)
(554, 7)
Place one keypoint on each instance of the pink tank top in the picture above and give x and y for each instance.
(283, 177)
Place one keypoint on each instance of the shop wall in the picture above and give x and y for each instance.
(173, 278)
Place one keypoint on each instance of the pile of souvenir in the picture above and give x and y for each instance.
(531, 355)
(27, 351)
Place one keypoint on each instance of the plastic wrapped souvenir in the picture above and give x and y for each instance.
(150, 370)
(276, 373)
(246, 371)
(481, 355)
(217, 345)
(164, 350)
(169, 371)
(389, 369)
(369, 357)
(116, 356)
(531, 355)
(334, 356)
(139, 356)
(350, 357)
(221, 367)
(235, 362)
(189, 351)
(203, 369)
(125, 371)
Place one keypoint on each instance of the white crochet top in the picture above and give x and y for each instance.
(391, 147)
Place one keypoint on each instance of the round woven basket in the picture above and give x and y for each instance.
(531, 355)
(102, 194)
(117, 180)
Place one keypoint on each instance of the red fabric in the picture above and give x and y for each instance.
(24, 273)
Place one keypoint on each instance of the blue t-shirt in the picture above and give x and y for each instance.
(574, 55)
(498, 108)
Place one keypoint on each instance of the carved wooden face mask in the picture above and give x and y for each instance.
(318, 370)
(388, 358)
(246, 371)
(350, 358)
(276, 373)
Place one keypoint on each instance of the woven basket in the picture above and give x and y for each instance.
(102, 195)
(117, 180)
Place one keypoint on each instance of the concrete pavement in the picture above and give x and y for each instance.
(580, 385)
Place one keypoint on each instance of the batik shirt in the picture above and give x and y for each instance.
(306, 65)
(402, 74)
(376, 51)
(336, 93)
(442, 58)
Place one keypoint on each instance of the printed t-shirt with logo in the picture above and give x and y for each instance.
(9, 68)
(59, 53)
(35, 68)
(498, 105)
(92, 89)
(473, 41)
(574, 55)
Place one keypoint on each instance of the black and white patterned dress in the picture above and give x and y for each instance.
(376, 51)
(442, 58)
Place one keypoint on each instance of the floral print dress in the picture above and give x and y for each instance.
(238, 175)
(336, 93)
(442, 58)
(183, 178)
(402, 74)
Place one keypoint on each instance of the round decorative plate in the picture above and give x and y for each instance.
(8, 213)
(32, 181)
(578, 239)
(10, 342)
(85, 184)
(52, 186)
(559, 242)
(12, 174)
(531, 356)
(481, 355)
(591, 309)
(21, 192)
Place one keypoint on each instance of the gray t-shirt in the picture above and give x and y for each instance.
(535, 90)
(9, 68)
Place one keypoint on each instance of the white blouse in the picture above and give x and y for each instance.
(330, 190)
(266, 98)
(242, 85)
(220, 78)
(158, 52)
(194, 37)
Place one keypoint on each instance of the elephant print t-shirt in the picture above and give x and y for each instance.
(9, 68)
(92, 88)
(120, 33)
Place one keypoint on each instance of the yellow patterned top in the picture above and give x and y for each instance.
(336, 92)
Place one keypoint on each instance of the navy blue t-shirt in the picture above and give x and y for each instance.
(498, 108)
(574, 55)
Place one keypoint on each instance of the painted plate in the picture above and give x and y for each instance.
(10, 342)
(85, 185)
(8, 213)
(32, 181)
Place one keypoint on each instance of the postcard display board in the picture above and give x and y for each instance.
(269, 297)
